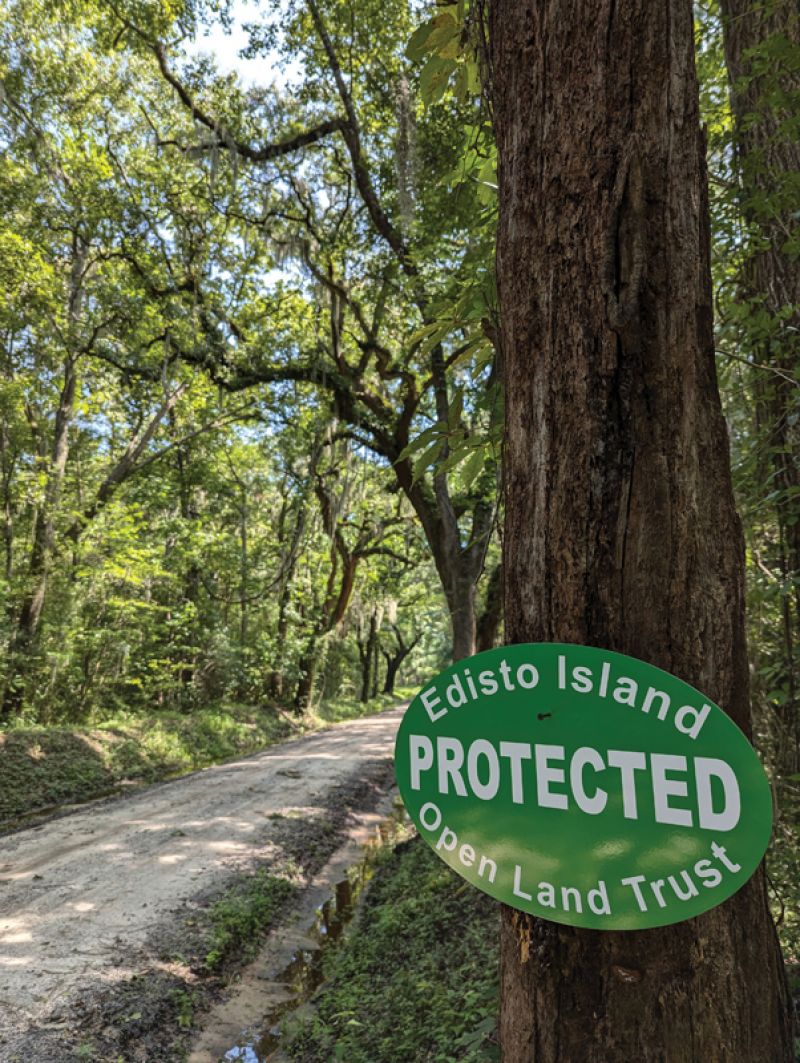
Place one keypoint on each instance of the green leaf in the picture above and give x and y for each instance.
(418, 442)
(434, 78)
(456, 409)
(415, 49)
(474, 347)
(439, 35)
(428, 458)
(473, 467)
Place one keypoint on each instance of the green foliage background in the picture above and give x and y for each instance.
(250, 403)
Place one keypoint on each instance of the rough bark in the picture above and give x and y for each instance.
(620, 526)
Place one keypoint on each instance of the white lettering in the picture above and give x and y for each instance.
(598, 899)
(447, 840)
(687, 713)
(517, 889)
(628, 763)
(664, 788)
(721, 854)
(546, 775)
(456, 690)
(516, 753)
(633, 882)
(532, 674)
(481, 748)
(488, 683)
(706, 768)
(488, 867)
(466, 854)
(421, 753)
(650, 697)
(583, 757)
(430, 826)
(451, 758)
(430, 700)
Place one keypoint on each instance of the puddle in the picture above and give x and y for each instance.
(303, 974)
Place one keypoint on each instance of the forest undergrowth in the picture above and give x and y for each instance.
(45, 768)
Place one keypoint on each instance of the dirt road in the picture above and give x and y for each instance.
(81, 896)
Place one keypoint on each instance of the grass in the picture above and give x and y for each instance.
(335, 710)
(241, 917)
(416, 980)
(42, 768)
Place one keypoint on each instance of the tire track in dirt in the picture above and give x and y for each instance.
(79, 895)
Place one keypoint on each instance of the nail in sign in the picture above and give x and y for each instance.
(583, 786)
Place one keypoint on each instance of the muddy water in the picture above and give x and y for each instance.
(303, 974)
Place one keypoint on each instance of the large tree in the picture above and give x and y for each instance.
(369, 220)
(621, 530)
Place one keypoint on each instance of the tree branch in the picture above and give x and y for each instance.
(225, 139)
(126, 464)
(352, 137)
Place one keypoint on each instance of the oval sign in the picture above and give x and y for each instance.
(583, 786)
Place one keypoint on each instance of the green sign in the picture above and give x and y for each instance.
(583, 786)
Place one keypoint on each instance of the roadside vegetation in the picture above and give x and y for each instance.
(44, 768)
(416, 979)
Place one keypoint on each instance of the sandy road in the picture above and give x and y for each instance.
(79, 894)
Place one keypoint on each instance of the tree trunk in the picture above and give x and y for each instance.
(458, 566)
(244, 567)
(394, 660)
(392, 667)
(366, 652)
(8, 462)
(620, 526)
(289, 564)
(768, 153)
(460, 597)
(307, 670)
(488, 624)
(333, 612)
(376, 668)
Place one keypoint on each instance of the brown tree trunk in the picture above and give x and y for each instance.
(8, 462)
(620, 526)
(376, 668)
(275, 680)
(764, 103)
(393, 662)
(396, 658)
(458, 565)
(366, 653)
(308, 671)
(488, 624)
